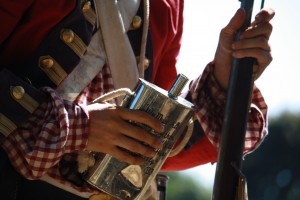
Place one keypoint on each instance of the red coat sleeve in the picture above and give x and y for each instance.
(24, 24)
(11, 13)
(203, 152)
(166, 24)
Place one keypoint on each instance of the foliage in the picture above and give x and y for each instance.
(182, 187)
(272, 171)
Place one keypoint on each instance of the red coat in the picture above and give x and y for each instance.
(22, 41)
(166, 24)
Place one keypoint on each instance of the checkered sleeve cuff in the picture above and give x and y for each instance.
(72, 119)
(55, 128)
(210, 99)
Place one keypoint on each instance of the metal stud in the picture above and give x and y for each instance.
(146, 62)
(136, 22)
(18, 92)
(46, 63)
(68, 35)
(86, 6)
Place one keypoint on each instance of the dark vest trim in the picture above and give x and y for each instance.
(53, 45)
(135, 38)
(10, 108)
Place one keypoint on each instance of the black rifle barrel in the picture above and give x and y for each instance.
(162, 181)
(235, 120)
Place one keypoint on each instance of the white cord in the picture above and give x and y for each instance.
(184, 141)
(144, 38)
(111, 95)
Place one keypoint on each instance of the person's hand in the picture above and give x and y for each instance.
(109, 131)
(254, 42)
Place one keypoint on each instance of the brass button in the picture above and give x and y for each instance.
(136, 22)
(68, 35)
(46, 63)
(146, 62)
(18, 92)
(86, 6)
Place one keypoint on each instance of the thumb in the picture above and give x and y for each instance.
(235, 23)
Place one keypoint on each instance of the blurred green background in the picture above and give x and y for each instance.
(280, 81)
(272, 171)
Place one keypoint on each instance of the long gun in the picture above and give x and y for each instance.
(239, 96)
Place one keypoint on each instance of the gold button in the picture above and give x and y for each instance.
(86, 6)
(18, 92)
(136, 22)
(47, 63)
(146, 62)
(68, 35)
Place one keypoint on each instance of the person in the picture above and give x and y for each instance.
(56, 57)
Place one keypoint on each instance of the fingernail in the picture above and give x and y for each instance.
(152, 154)
(160, 144)
(258, 17)
(162, 127)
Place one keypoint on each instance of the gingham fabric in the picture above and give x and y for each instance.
(60, 127)
(210, 99)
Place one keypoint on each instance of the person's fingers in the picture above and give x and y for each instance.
(125, 156)
(121, 146)
(141, 117)
(258, 42)
(228, 33)
(138, 133)
(135, 146)
(264, 58)
(265, 15)
(134, 130)
(263, 29)
(235, 23)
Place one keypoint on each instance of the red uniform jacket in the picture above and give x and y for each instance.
(19, 40)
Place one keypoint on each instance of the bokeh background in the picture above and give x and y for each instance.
(272, 171)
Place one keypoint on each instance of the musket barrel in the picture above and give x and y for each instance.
(235, 121)
(162, 181)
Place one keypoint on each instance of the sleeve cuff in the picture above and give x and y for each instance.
(210, 99)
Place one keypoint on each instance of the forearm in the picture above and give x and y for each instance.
(210, 99)
(56, 128)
